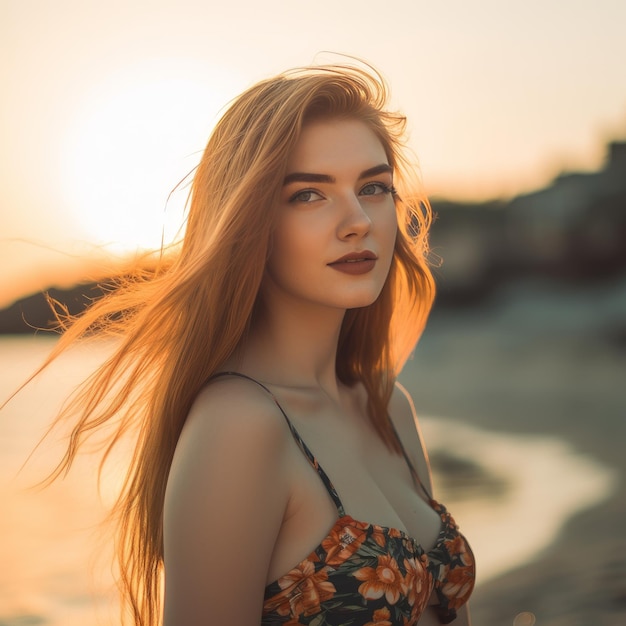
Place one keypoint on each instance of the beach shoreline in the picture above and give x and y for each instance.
(543, 394)
(554, 374)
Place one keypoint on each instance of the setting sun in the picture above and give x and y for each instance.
(133, 139)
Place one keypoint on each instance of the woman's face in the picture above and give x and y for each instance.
(336, 229)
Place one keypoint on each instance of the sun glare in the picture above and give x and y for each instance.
(131, 142)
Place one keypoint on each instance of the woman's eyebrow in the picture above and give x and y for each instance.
(303, 177)
(383, 168)
(306, 177)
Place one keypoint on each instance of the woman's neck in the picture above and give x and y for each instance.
(294, 346)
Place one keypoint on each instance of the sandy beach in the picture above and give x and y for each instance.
(523, 409)
(543, 362)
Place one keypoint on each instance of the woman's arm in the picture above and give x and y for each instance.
(226, 496)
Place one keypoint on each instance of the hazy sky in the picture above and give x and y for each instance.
(105, 105)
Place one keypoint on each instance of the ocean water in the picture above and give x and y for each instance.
(55, 554)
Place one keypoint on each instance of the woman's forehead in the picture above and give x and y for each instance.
(336, 144)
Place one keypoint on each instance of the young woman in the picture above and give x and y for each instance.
(278, 475)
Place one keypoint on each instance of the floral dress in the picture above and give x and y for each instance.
(362, 574)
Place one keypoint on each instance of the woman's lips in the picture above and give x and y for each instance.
(355, 263)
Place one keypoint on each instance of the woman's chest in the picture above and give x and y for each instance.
(373, 483)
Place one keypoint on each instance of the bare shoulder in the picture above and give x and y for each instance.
(229, 475)
(230, 403)
(403, 414)
(232, 422)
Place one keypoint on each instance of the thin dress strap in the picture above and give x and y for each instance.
(309, 455)
(416, 479)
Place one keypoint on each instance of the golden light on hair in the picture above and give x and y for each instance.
(181, 321)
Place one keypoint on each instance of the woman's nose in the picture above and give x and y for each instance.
(355, 221)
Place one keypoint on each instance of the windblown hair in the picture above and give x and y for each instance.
(176, 326)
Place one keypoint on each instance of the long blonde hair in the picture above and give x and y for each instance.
(177, 324)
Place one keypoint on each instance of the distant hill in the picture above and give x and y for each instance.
(33, 312)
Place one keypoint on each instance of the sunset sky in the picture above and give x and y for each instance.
(105, 106)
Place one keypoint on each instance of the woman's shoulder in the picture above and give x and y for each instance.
(227, 493)
(231, 410)
(402, 410)
(231, 421)
(402, 413)
(233, 397)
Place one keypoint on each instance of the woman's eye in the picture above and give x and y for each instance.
(308, 195)
(375, 189)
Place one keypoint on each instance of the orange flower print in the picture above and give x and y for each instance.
(459, 585)
(414, 579)
(385, 579)
(394, 532)
(304, 590)
(458, 547)
(380, 618)
(380, 533)
(342, 543)
(278, 603)
(416, 586)
(378, 536)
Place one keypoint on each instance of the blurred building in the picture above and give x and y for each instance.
(574, 229)
(468, 250)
